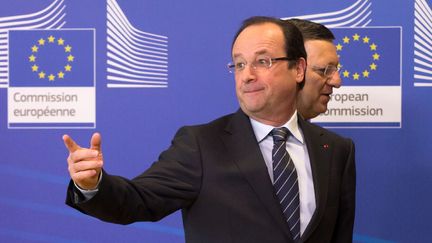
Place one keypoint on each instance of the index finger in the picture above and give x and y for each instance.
(70, 143)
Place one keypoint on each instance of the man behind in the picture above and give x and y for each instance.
(227, 176)
(322, 73)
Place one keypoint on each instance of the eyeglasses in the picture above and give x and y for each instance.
(327, 71)
(260, 63)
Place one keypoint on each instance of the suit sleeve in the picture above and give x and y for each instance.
(171, 183)
(345, 222)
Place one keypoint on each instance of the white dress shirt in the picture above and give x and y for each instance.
(297, 149)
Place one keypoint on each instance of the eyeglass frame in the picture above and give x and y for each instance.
(323, 71)
(232, 69)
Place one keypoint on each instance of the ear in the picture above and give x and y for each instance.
(300, 70)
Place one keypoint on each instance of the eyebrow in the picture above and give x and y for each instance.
(264, 51)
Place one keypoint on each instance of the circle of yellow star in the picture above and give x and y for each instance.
(40, 71)
(375, 56)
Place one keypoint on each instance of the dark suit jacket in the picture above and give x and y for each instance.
(216, 174)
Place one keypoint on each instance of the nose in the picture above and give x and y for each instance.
(335, 80)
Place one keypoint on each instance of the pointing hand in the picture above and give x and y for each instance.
(84, 164)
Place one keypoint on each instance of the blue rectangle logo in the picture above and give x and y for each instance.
(369, 55)
(51, 58)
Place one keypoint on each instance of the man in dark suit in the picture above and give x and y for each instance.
(322, 72)
(221, 174)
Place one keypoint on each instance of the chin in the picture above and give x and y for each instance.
(321, 109)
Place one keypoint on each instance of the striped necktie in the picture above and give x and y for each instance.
(285, 181)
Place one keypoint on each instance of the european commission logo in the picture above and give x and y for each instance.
(369, 55)
(51, 78)
(53, 58)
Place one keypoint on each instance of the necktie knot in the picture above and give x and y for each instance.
(280, 134)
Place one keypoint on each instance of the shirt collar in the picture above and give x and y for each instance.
(261, 130)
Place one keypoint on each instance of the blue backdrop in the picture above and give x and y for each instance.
(151, 66)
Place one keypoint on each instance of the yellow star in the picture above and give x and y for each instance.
(60, 42)
(34, 48)
(339, 47)
(373, 47)
(346, 74)
(365, 74)
(356, 37)
(70, 58)
(373, 66)
(51, 77)
(366, 39)
(51, 39)
(376, 56)
(41, 75)
(356, 76)
(41, 42)
(34, 68)
(68, 48)
(346, 40)
(60, 74)
(68, 68)
(32, 58)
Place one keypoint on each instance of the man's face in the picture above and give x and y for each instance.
(265, 94)
(315, 95)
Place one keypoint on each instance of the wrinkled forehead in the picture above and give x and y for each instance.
(259, 39)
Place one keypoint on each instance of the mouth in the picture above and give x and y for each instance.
(252, 90)
(326, 97)
(327, 92)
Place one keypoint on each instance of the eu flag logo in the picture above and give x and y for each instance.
(369, 55)
(51, 58)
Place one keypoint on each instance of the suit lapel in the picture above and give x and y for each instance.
(320, 150)
(241, 143)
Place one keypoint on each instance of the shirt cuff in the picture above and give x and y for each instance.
(89, 194)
